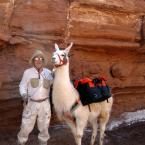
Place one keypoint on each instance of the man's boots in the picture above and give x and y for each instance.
(42, 143)
(21, 143)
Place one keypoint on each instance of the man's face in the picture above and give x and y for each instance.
(38, 62)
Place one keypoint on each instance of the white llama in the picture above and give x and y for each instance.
(65, 95)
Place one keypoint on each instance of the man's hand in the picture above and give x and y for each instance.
(25, 99)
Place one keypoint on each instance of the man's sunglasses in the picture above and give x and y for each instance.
(39, 58)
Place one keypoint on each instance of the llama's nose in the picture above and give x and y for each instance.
(53, 59)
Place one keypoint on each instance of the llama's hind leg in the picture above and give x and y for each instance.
(94, 133)
(102, 126)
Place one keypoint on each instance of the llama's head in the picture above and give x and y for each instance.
(60, 57)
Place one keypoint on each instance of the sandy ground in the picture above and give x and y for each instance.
(130, 135)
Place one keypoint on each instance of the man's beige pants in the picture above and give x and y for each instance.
(35, 111)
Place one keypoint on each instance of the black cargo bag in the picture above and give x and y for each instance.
(91, 94)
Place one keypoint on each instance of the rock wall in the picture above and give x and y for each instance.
(108, 36)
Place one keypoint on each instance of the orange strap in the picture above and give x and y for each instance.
(90, 82)
(83, 81)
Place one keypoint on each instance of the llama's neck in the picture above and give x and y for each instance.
(62, 72)
(64, 94)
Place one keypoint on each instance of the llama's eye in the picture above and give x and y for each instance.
(63, 55)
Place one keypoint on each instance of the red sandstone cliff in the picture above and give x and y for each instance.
(109, 38)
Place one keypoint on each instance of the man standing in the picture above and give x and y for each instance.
(34, 89)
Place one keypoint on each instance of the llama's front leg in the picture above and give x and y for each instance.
(79, 135)
(80, 125)
(73, 129)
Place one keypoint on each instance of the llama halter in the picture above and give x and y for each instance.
(62, 60)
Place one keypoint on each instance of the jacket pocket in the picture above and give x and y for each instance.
(34, 82)
(46, 83)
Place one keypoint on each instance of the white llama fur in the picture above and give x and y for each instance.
(64, 96)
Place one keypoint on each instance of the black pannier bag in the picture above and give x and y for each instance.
(92, 91)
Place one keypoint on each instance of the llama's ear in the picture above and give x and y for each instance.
(69, 47)
(56, 47)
